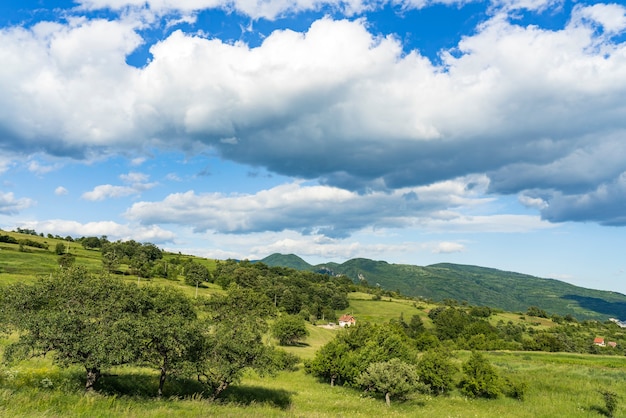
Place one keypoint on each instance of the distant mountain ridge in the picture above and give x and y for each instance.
(479, 286)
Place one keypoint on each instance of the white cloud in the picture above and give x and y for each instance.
(137, 183)
(334, 103)
(9, 205)
(331, 212)
(39, 169)
(612, 17)
(448, 248)
(112, 230)
(61, 191)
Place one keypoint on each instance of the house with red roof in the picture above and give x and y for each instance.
(346, 320)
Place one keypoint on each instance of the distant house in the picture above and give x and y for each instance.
(612, 344)
(599, 341)
(346, 320)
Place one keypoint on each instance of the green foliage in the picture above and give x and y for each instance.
(170, 337)
(354, 349)
(436, 370)
(289, 329)
(393, 378)
(480, 379)
(535, 311)
(67, 260)
(76, 317)
(479, 286)
(450, 323)
(8, 239)
(290, 290)
(60, 248)
(196, 274)
(234, 340)
(610, 402)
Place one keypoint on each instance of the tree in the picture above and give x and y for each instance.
(110, 259)
(289, 329)
(196, 274)
(59, 249)
(233, 341)
(480, 378)
(390, 378)
(67, 260)
(77, 318)
(437, 371)
(170, 334)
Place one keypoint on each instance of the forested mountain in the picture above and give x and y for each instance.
(475, 285)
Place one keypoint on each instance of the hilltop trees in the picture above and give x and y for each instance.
(290, 290)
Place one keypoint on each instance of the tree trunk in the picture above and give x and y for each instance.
(332, 381)
(93, 374)
(388, 399)
(163, 375)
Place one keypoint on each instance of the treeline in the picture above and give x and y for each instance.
(310, 295)
(23, 242)
(98, 322)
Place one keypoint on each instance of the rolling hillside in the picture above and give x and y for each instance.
(475, 285)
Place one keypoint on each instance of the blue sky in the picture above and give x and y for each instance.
(413, 131)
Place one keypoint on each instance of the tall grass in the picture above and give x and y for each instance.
(559, 385)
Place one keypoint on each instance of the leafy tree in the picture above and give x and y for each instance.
(76, 317)
(170, 335)
(535, 311)
(59, 249)
(329, 361)
(289, 329)
(450, 323)
(480, 379)
(91, 242)
(351, 351)
(110, 259)
(67, 260)
(390, 378)
(233, 341)
(196, 274)
(436, 370)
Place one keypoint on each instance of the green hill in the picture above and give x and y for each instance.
(475, 285)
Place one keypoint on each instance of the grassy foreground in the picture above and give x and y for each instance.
(559, 385)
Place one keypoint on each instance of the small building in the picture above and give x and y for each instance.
(346, 320)
(599, 341)
(612, 344)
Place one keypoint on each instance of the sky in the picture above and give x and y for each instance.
(483, 132)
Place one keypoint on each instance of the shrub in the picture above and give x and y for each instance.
(437, 371)
(480, 378)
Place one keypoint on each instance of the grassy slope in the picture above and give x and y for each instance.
(558, 384)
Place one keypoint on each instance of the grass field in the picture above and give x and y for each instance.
(559, 385)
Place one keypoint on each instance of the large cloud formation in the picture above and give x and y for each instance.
(540, 111)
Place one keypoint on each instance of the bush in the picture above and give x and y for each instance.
(289, 329)
(481, 380)
(437, 371)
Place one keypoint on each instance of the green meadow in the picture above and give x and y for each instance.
(557, 384)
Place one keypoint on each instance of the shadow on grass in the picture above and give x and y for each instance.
(146, 386)
(247, 395)
(600, 410)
